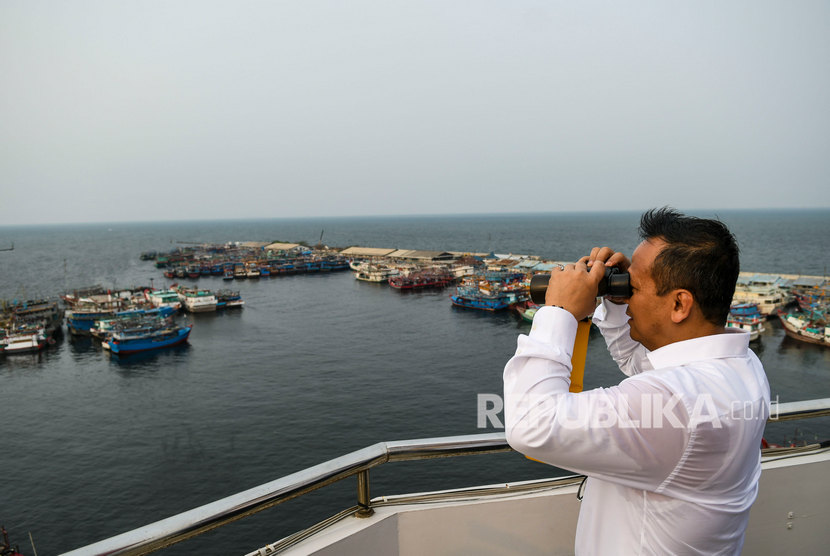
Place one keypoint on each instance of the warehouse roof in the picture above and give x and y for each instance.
(416, 254)
(253, 243)
(366, 251)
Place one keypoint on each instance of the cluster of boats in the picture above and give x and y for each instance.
(405, 276)
(125, 321)
(800, 303)
(29, 326)
(478, 288)
(233, 262)
(808, 322)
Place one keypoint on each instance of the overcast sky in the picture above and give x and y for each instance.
(165, 110)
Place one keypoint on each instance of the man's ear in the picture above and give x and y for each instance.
(683, 301)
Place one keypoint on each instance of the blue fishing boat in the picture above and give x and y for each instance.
(489, 295)
(746, 316)
(82, 321)
(479, 302)
(125, 342)
(227, 299)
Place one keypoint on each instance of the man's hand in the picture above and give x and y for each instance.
(574, 288)
(609, 257)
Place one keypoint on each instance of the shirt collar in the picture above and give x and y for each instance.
(732, 343)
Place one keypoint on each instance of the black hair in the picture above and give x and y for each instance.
(700, 256)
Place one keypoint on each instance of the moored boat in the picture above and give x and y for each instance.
(227, 299)
(494, 294)
(527, 311)
(763, 290)
(128, 341)
(746, 316)
(26, 338)
(430, 278)
(164, 298)
(805, 327)
(135, 319)
(196, 300)
(6, 548)
(375, 273)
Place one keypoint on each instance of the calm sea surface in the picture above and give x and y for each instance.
(312, 368)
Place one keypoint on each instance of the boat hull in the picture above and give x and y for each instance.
(126, 347)
(481, 304)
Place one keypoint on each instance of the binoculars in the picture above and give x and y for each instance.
(614, 284)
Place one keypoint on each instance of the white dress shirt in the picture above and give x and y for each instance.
(672, 452)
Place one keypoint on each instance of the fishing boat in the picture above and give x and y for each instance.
(424, 279)
(6, 548)
(25, 338)
(82, 319)
(164, 298)
(139, 318)
(746, 316)
(196, 300)
(527, 311)
(127, 341)
(489, 294)
(227, 273)
(805, 327)
(81, 295)
(227, 299)
(375, 273)
(763, 290)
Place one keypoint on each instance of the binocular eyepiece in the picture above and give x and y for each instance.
(614, 284)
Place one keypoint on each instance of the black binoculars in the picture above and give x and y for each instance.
(614, 284)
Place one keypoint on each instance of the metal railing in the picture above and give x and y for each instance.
(188, 524)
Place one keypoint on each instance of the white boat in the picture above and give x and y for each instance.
(528, 517)
(375, 273)
(754, 326)
(746, 317)
(801, 327)
(195, 300)
(252, 270)
(164, 298)
(762, 290)
(25, 339)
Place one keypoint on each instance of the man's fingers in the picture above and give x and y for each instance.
(601, 254)
(598, 272)
(619, 260)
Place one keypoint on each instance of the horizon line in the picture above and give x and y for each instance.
(399, 215)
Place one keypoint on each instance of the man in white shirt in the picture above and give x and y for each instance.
(673, 452)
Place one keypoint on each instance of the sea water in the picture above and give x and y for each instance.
(313, 367)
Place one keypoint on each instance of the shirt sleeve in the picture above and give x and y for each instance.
(630, 356)
(597, 432)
